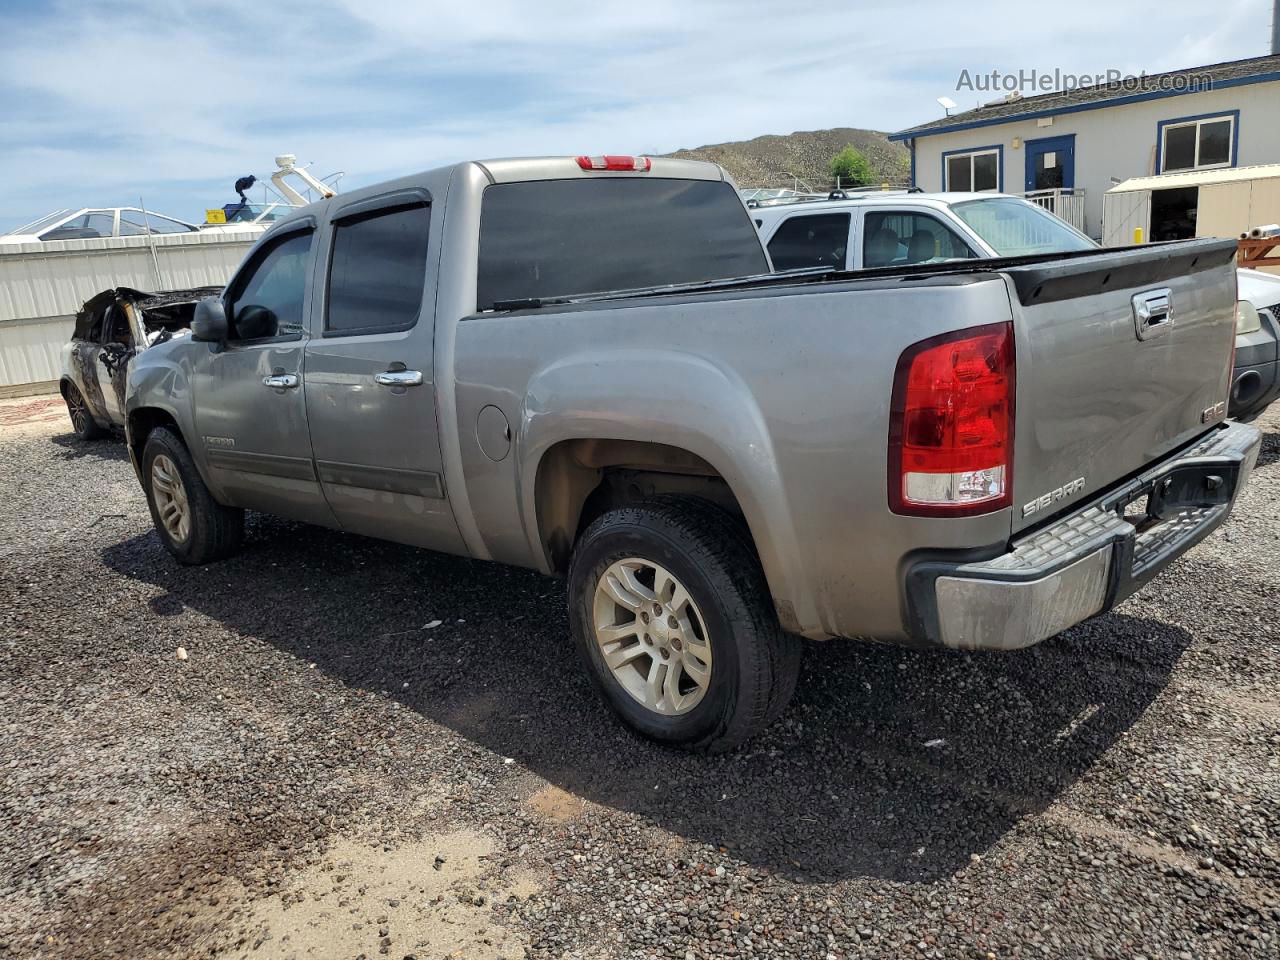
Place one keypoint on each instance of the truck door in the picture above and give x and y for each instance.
(250, 414)
(370, 386)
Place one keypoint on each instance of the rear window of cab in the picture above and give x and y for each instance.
(556, 238)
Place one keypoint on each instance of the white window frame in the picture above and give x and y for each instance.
(946, 186)
(1164, 143)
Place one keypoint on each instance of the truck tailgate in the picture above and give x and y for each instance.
(1122, 358)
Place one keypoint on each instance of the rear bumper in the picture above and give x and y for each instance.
(1087, 562)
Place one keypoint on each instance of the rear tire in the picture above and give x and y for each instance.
(671, 612)
(193, 526)
(82, 422)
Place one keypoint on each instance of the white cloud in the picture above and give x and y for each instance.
(177, 99)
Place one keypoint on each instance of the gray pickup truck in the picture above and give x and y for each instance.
(971, 455)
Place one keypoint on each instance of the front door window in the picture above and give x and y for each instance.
(267, 300)
(900, 238)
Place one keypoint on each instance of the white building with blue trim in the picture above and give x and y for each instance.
(1066, 149)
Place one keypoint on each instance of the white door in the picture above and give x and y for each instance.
(1122, 213)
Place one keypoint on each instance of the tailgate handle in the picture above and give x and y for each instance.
(1152, 313)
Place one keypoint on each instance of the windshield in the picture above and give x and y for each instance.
(135, 223)
(43, 222)
(1016, 228)
(256, 212)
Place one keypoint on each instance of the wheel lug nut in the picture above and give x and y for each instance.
(665, 653)
(648, 640)
(676, 644)
(657, 610)
(673, 623)
(644, 617)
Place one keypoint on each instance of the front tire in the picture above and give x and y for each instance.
(671, 612)
(193, 526)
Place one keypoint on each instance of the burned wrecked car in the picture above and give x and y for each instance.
(111, 328)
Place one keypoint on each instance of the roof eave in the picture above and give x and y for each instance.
(915, 132)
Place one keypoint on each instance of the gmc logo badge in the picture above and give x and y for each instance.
(1053, 496)
(1216, 412)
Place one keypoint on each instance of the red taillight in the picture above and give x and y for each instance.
(611, 161)
(951, 425)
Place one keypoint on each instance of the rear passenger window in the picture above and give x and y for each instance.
(898, 238)
(819, 240)
(377, 271)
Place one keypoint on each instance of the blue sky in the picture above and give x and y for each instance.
(172, 100)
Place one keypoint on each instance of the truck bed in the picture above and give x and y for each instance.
(783, 384)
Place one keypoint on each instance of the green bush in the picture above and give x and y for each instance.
(852, 166)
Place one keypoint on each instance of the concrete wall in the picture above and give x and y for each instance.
(1117, 141)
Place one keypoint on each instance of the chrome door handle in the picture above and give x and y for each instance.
(399, 378)
(281, 381)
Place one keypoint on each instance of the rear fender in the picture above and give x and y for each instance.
(683, 401)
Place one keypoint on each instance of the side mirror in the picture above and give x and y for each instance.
(209, 324)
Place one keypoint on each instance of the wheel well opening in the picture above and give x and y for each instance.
(142, 422)
(578, 480)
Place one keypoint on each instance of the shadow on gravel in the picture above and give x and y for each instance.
(1270, 451)
(846, 784)
(73, 448)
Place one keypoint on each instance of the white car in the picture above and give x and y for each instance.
(901, 228)
(93, 223)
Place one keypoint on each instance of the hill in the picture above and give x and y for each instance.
(772, 160)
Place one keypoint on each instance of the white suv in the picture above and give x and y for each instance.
(893, 229)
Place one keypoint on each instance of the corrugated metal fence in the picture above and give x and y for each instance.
(42, 285)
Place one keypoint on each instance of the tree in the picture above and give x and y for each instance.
(852, 166)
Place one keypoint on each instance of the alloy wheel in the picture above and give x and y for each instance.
(652, 636)
(77, 409)
(170, 498)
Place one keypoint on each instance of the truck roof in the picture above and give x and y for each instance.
(512, 170)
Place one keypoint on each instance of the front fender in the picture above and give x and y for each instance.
(159, 380)
(684, 401)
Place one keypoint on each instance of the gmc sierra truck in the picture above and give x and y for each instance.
(584, 366)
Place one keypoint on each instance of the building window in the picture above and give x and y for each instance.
(1197, 143)
(976, 171)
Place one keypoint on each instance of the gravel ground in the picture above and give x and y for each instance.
(334, 747)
